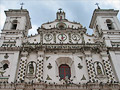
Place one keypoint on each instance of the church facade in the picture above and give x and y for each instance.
(62, 55)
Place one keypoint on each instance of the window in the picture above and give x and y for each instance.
(64, 71)
(14, 24)
(109, 24)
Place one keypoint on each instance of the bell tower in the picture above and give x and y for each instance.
(105, 23)
(16, 26)
(106, 27)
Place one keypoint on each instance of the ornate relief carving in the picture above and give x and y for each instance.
(48, 78)
(49, 66)
(80, 66)
(83, 78)
(62, 37)
(76, 37)
(47, 58)
(48, 37)
(6, 56)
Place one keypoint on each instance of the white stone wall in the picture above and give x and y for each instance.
(20, 25)
(13, 63)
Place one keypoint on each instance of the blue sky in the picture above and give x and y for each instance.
(42, 11)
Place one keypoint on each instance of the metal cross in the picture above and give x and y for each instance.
(22, 5)
(97, 5)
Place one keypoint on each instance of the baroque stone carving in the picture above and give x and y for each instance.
(6, 56)
(83, 78)
(49, 66)
(80, 66)
(47, 58)
(48, 78)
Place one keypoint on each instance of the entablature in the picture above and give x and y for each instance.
(65, 47)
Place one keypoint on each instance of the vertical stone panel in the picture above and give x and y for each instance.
(22, 67)
(108, 69)
(91, 70)
(39, 73)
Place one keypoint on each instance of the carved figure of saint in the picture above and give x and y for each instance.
(99, 70)
(31, 68)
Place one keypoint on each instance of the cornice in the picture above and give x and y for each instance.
(10, 48)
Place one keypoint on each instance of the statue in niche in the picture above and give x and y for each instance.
(99, 69)
(31, 68)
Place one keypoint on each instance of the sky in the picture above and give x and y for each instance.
(42, 11)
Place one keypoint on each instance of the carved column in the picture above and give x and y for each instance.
(22, 67)
(90, 66)
(107, 66)
(39, 73)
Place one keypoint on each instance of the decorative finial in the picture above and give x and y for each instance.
(97, 5)
(60, 9)
(22, 5)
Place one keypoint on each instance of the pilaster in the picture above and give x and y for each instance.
(39, 73)
(90, 66)
(107, 66)
(22, 66)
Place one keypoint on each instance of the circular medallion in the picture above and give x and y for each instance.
(62, 37)
(48, 37)
(75, 37)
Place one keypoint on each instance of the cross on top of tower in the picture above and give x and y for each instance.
(97, 5)
(22, 5)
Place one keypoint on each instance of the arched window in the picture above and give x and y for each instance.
(109, 24)
(64, 71)
(14, 24)
(5, 66)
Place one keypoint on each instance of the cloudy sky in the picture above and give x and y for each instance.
(42, 11)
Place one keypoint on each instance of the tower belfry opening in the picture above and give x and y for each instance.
(14, 24)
